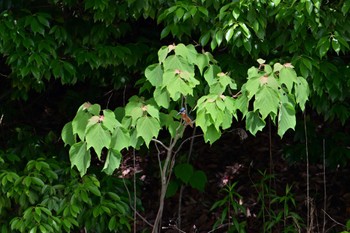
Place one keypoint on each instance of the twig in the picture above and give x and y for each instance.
(335, 221)
(174, 227)
(184, 141)
(138, 214)
(308, 230)
(134, 177)
(158, 156)
(221, 226)
(160, 143)
(324, 187)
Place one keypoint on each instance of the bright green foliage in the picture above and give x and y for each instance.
(89, 130)
(276, 91)
(179, 76)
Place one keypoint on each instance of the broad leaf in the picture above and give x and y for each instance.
(112, 161)
(301, 92)
(198, 180)
(80, 157)
(154, 74)
(109, 120)
(147, 128)
(183, 172)
(162, 98)
(287, 77)
(266, 101)
(254, 123)
(286, 118)
(97, 137)
(67, 134)
(120, 139)
(79, 123)
(211, 134)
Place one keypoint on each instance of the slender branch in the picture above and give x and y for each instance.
(174, 227)
(160, 143)
(221, 226)
(158, 156)
(335, 221)
(324, 187)
(134, 177)
(138, 214)
(184, 141)
(308, 230)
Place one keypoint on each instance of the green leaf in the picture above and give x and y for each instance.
(286, 118)
(97, 138)
(152, 111)
(79, 123)
(162, 98)
(154, 74)
(254, 123)
(204, 39)
(211, 73)
(109, 120)
(219, 37)
(288, 76)
(301, 92)
(112, 224)
(202, 61)
(80, 157)
(183, 172)
(172, 188)
(67, 134)
(120, 139)
(112, 161)
(229, 34)
(336, 45)
(36, 27)
(198, 180)
(345, 9)
(323, 46)
(147, 128)
(266, 101)
(211, 134)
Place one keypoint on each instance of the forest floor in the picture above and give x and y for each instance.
(249, 162)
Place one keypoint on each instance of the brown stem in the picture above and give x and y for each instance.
(164, 176)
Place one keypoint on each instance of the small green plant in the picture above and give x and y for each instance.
(291, 220)
(231, 207)
(276, 211)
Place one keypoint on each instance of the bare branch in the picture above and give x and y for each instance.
(160, 143)
(187, 139)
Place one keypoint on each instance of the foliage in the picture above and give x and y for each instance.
(274, 92)
(276, 210)
(104, 45)
(46, 196)
(231, 207)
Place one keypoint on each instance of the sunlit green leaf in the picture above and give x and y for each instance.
(112, 161)
(80, 157)
(98, 138)
(147, 128)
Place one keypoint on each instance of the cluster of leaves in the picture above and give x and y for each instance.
(185, 76)
(276, 92)
(69, 41)
(317, 45)
(46, 196)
